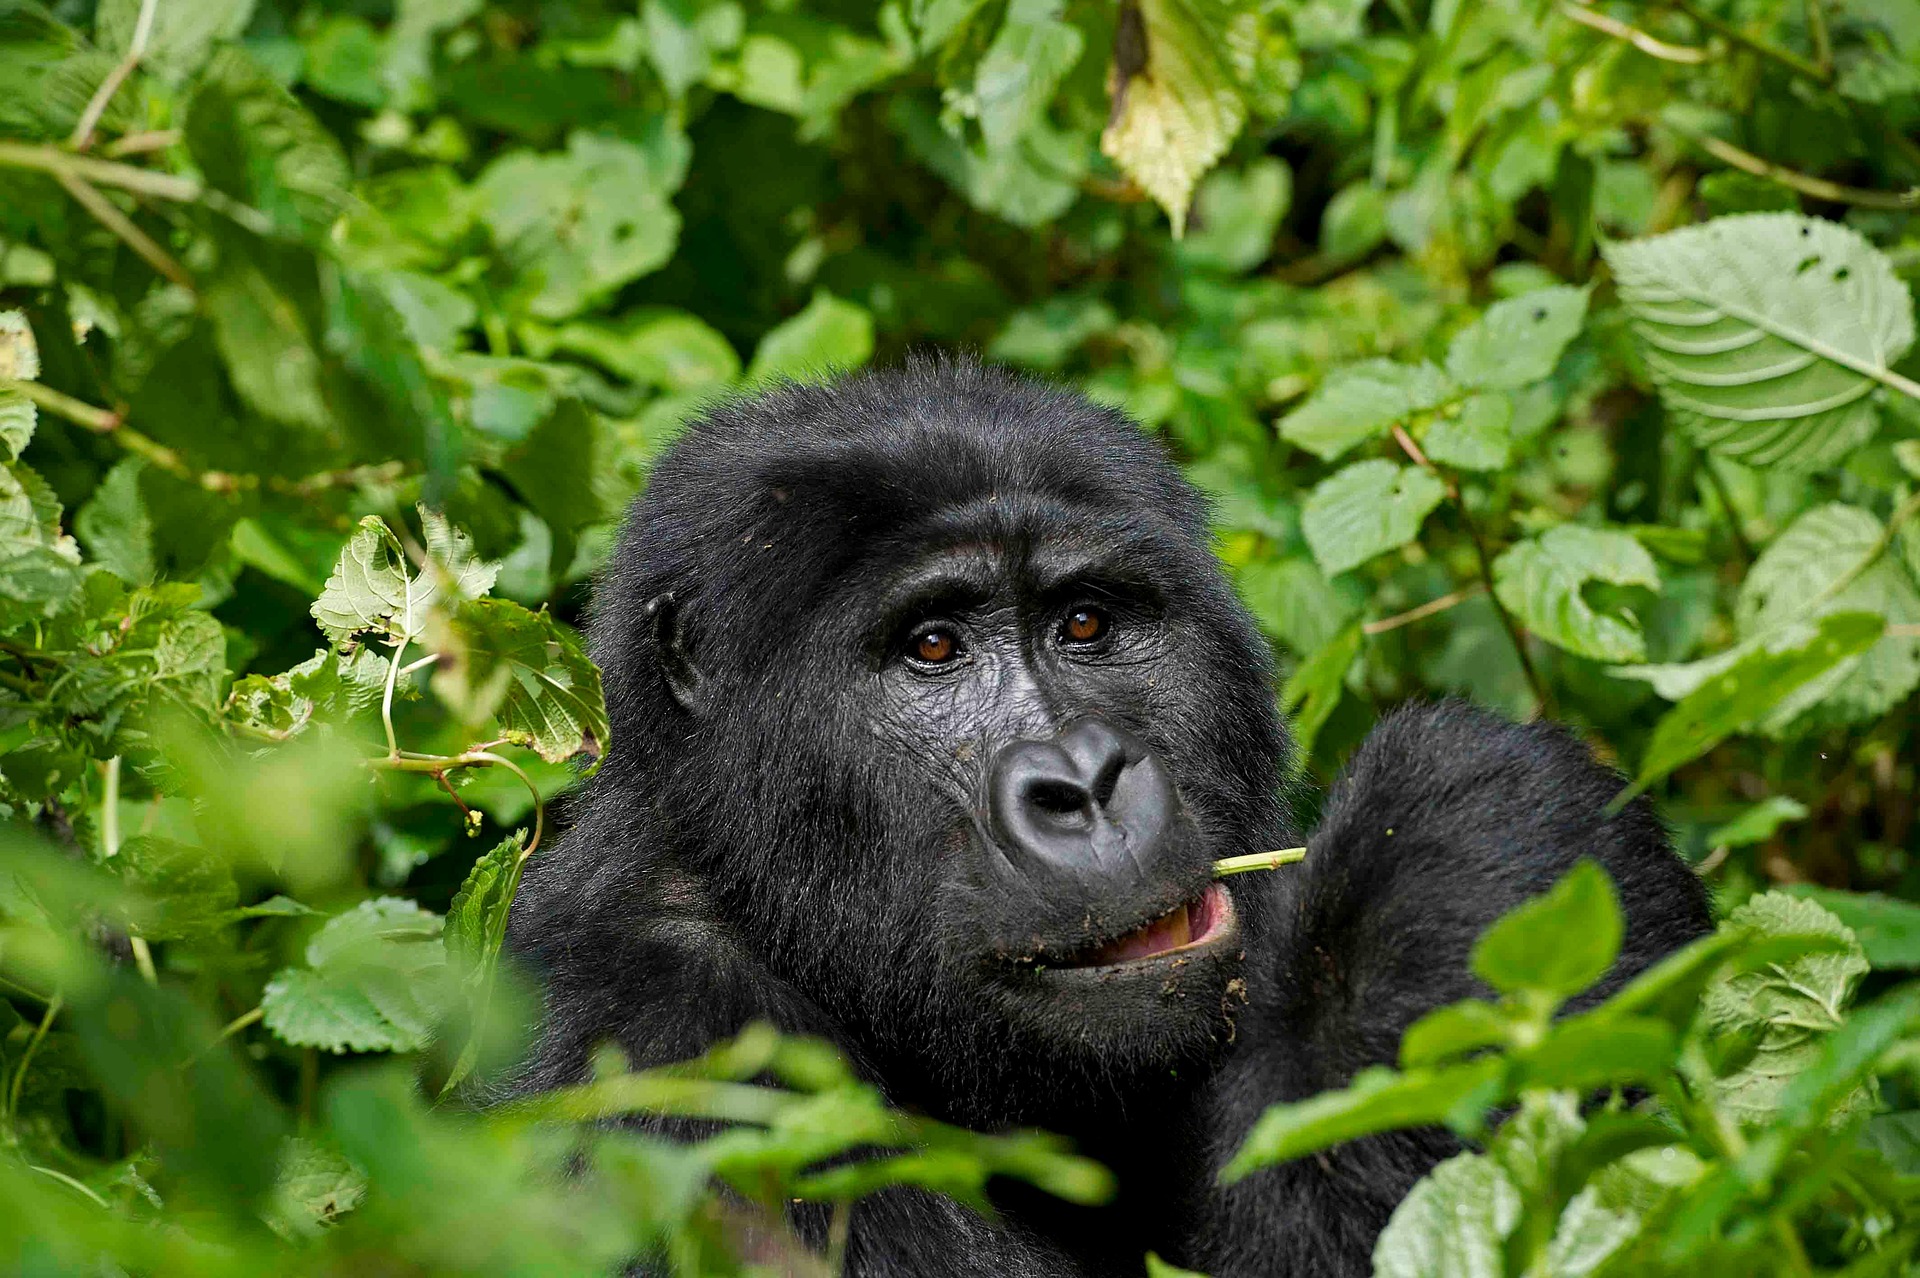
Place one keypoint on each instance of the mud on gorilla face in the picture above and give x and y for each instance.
(966, 712)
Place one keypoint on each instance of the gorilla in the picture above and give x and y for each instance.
(932, 711)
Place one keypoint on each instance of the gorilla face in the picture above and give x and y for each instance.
(950, 710)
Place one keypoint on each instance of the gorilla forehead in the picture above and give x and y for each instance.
(782, 494)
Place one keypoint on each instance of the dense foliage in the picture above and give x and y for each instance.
(1548, 353)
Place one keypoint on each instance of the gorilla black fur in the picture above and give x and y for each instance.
(872, 780)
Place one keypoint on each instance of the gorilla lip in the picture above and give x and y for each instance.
(1192, 926)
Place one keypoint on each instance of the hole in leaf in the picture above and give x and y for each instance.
(1840, 275)
(1807, 264)
(1539, 313)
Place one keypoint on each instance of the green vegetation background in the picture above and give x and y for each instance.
(1550, 354)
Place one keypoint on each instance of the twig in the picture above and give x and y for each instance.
(1425, 610)
(122, 226)
(1257, 861)
(442, 764)
(110, 808)
(1685, 54)
(1512, 627)
(141, 143)
(97, 105)
(143, 959)
(26, 1054)
(126, 177)
(386, 698)
(1785, 57)
(1822, 43)
(70, 1183)
(1818, 188)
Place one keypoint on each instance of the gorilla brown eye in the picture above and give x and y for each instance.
(1084, 625)
(936, 647)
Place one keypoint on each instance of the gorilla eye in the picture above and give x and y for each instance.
(935, 647)
(1084, 625)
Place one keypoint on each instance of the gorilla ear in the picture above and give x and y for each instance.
(684, 680)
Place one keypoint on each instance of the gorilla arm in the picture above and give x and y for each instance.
(1446, 818)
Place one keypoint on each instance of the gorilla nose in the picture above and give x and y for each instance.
(1091, 802)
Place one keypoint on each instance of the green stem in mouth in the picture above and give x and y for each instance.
(1257, 861)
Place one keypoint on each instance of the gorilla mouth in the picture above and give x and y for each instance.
(1189, 927)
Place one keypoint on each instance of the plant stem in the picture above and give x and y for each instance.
(127, 177)
(386, 698)
(26, 1055)
(1719, 485)
(1653, 46)
(1257, 861)
(110, 807)
(102, 96)
(122, 226)
(143, 959)
(1785, 57)
(1818, 188)
(1822, 43)
(1431, 608)
(441, 764)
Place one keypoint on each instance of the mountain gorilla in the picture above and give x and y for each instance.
(932, 711)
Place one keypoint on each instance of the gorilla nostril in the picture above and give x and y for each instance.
(1063, 801)
(1107, 779)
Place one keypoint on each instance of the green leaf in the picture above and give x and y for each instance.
(1557, 944)
(1362, 400)
(1476, 437)
(1454, 1030)
(115, 526)
(39, 565)
(576, 226)
(1454, 1222)
(1767, 332)
(654, 347)
(1751, 688)
(530, 673)
(1518, 340)
(1377, 1100)
(1017, 76)
(1791, 1003)
(1176, 106)
(258, 145)
(1543, 581)
(1758, 823)
(372, 982)
(1313, 689)
(829, 335)
(1800, 567)
(476, 928)
(373, 587)
(187, 890)
(1354, 223)
(1367, 509)
(181, 35)
(19, 360)
(315, 1187)
(1235, 216)
(1887, 928)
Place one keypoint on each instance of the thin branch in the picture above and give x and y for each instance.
(26, 1054)
(110, 808)
(1822, 42)
(1431, 608)
(441, 764)
(1686, 54)
(1257, 861)
(386, 698)
(1818, 188)
(1785, 57)
(143, 959)
(97, 105)
(141, 143)
(122, 226)
(125, 177)
(1719, 485)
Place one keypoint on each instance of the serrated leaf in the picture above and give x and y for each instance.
(257, 144)
(1518, 340)
(186, 890)
(530, 673)
(1557, 944)
(1744, 693)
(1362, 400)
(1792, 1004)
(828, 336)
(1767, 332)
(115, 526)
(1477, 437)
(576, 226)
(1887, 928)
(1454, 1222)
(39, 565)
(1367, 509)
(316, 1185)
(1176, 106)
(1798, 567)
(180, 35)
(1542, 581)
(476, 921)
(374, 588)
(372, 982)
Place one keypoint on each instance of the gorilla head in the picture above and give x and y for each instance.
(931, 702)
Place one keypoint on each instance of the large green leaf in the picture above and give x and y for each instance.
(1023, 66)
(374, 588)
(372, 982)
(530, 673)
(1518, 340)
(830, 335)
(1367, 509)
(258, 145)
(576, 226)
(1455, 1223)
(1362, 400)
(1767, 332)
(1176, 105)
(1557, 944)
(1543, 581)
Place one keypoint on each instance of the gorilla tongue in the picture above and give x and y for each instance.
(1195, 921)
